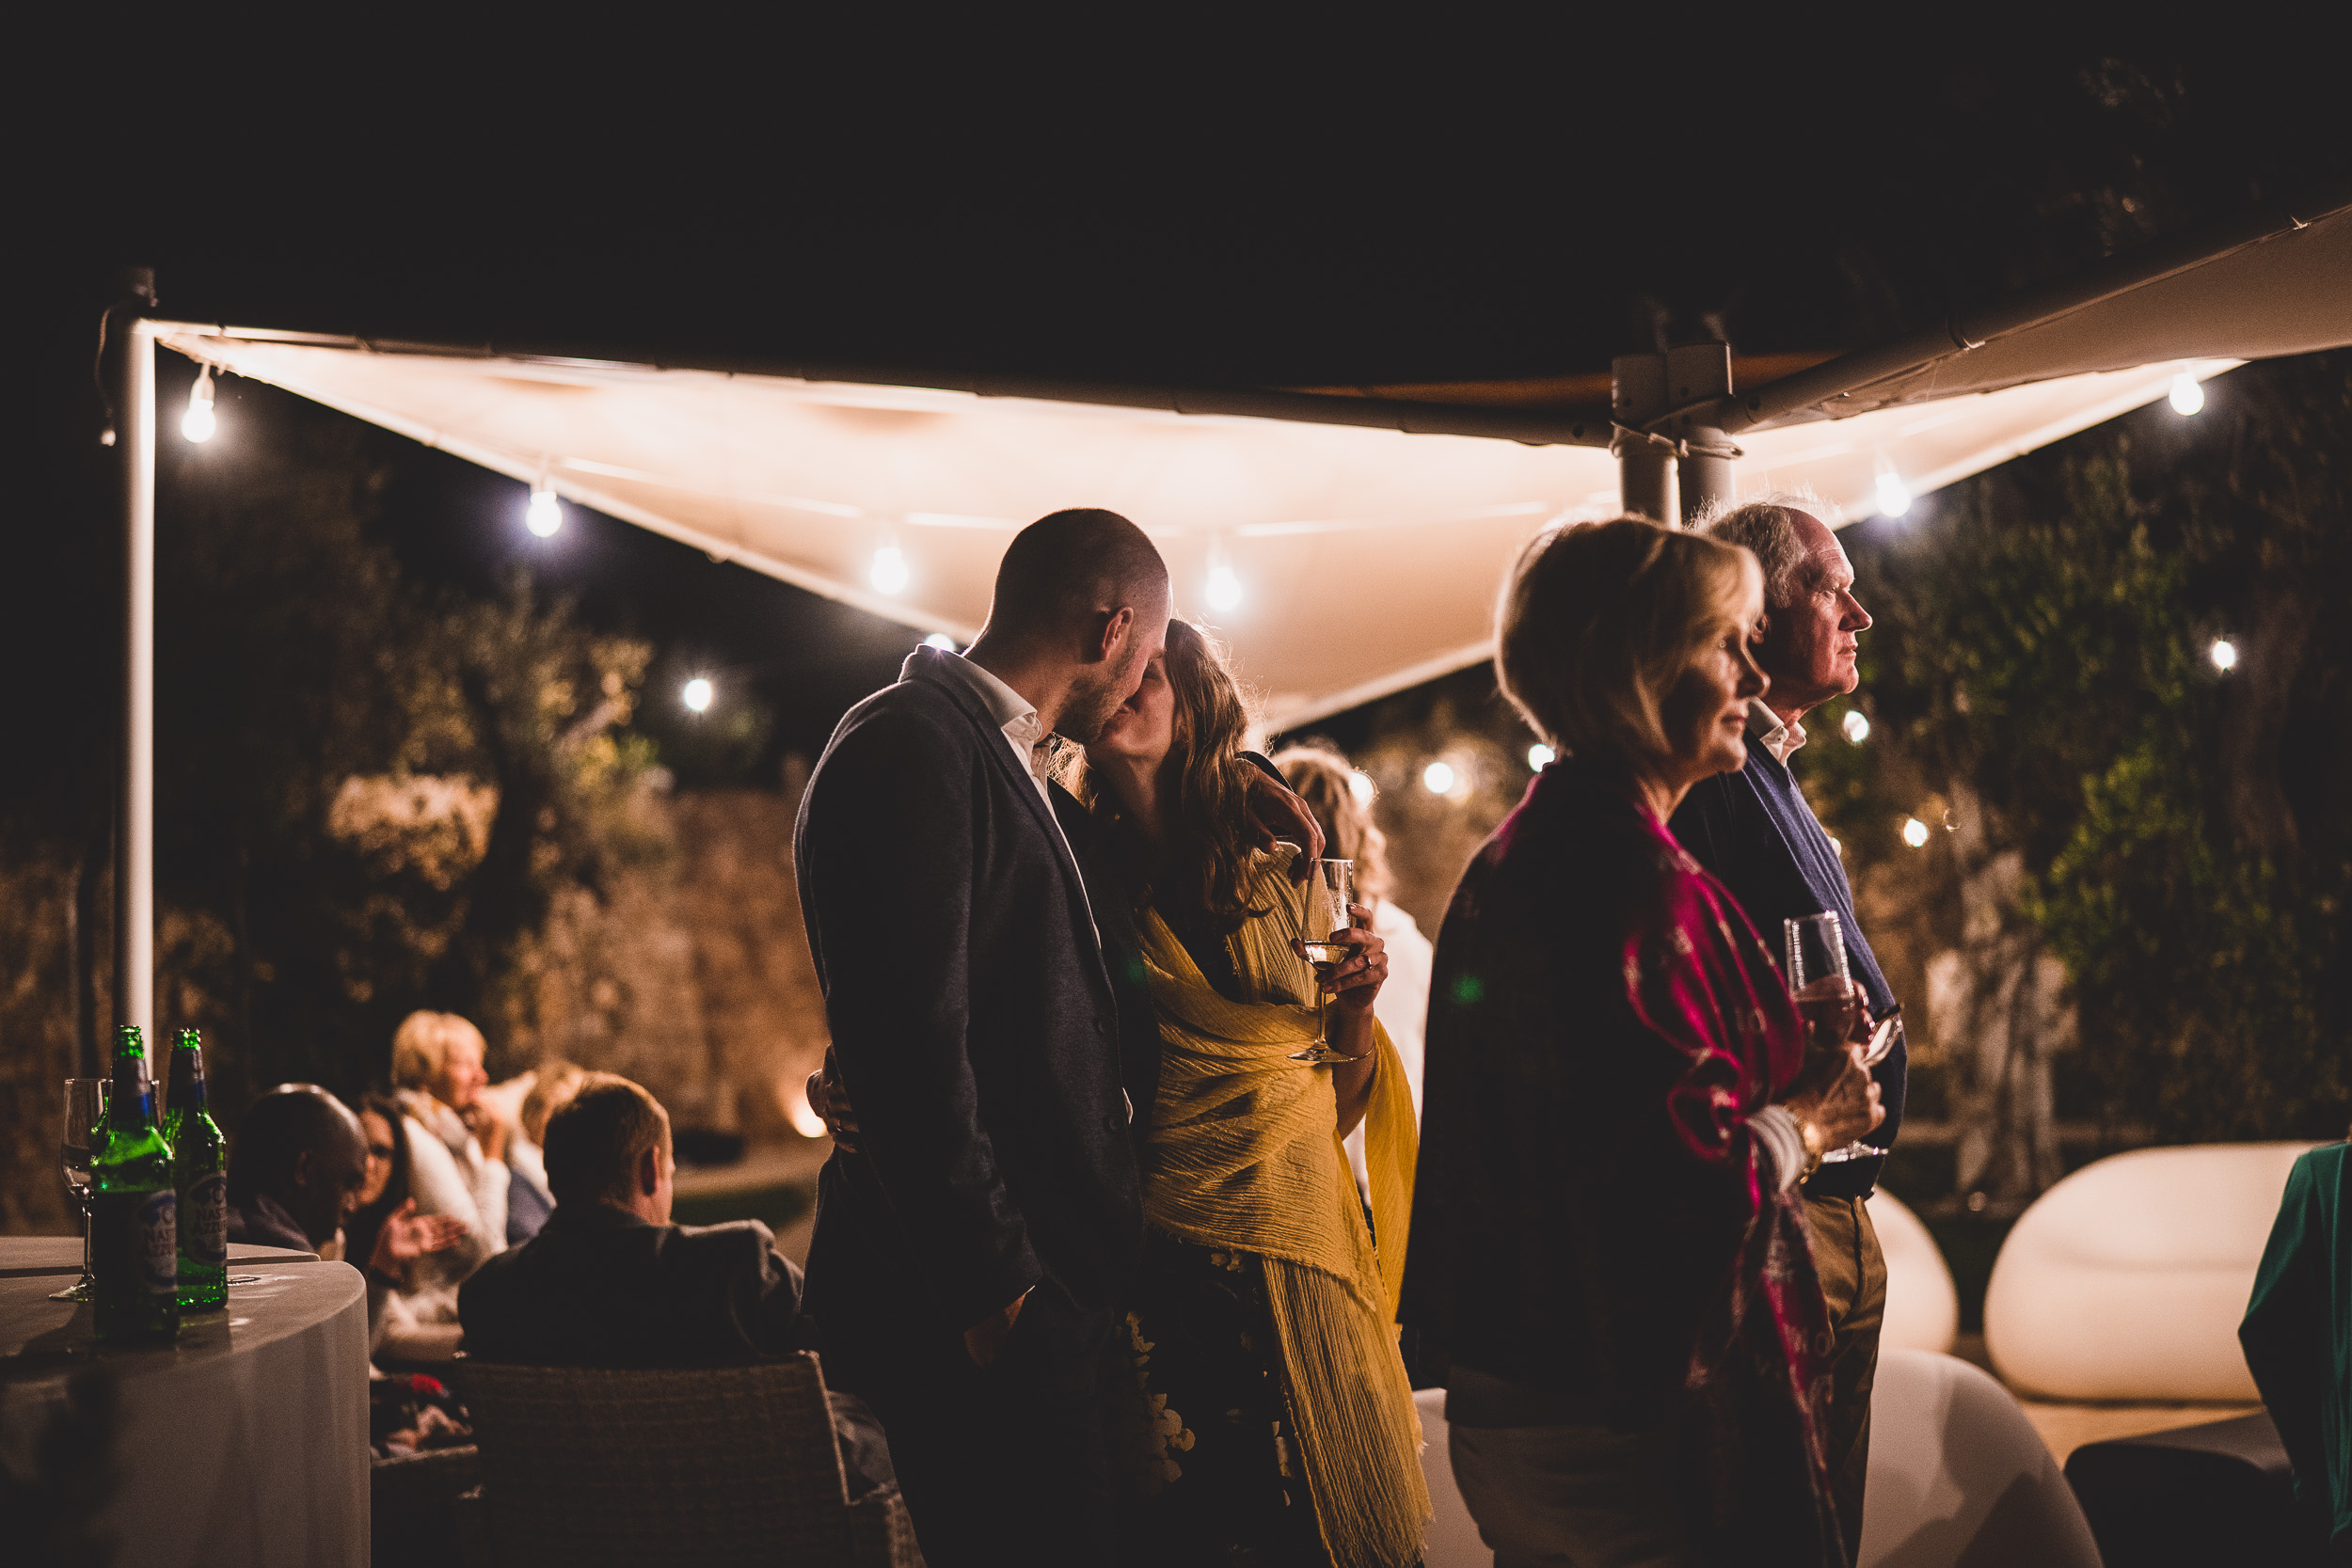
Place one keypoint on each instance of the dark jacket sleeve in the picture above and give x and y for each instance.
(2284, 1335)
(887, 873)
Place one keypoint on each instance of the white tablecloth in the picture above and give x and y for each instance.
(246, 1442)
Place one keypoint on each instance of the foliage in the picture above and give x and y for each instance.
(376, 791)
(2042, 645)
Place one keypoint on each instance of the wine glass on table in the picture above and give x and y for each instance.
(84, 1112)
(1324, 931)
(1817, 971)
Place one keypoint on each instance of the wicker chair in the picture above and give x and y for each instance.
(586, 1465)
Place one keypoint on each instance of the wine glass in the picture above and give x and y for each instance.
(1817, 953)
(85, 1109)
(1884, 1039)
(1330, 891)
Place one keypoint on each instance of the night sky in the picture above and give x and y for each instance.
(1337, 202)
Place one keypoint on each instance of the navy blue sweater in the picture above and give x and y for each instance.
(1755, 833)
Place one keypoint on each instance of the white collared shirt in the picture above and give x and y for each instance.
(1781, 739)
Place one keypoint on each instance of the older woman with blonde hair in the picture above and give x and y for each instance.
(1264, 1415)
(1610, 1264)
(456, 1149)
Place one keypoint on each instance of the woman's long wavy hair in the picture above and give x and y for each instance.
(1207, 866)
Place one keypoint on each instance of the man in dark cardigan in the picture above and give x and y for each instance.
(1754, 831)
(997, 1040)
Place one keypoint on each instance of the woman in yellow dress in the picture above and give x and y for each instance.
(1261, 1414)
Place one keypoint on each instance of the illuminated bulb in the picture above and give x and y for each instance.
(1359, 785)
(1224, 589)
(889, 575)
(1914, 833)
(1857, 728)
(1894, 496)
(941, 640)
(1539, 756)
(2223, 653)
(2188, 394)
(545, 514)
(1437, 778)
(697, 694)
(200, 423)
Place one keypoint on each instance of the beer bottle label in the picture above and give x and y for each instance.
(159, 1243)
(206, 1221)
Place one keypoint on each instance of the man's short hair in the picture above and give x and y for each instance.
(420, 1046)
(1766, 527)
(1597, 623)
(1067, 565)
(278, 1129)
(595, 1139)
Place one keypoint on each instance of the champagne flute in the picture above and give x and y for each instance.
(85, 1111)
(1323, 928)
(1817, 955)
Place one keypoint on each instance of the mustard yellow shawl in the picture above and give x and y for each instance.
(1245, 1154)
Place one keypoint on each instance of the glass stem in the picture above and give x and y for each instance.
(86, 1275)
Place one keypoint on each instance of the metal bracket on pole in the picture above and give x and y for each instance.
(1645, 465)
(135, 781)
(1700, 373)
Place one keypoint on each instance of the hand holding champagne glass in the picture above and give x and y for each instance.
(1835, 1012)
(1326, 942)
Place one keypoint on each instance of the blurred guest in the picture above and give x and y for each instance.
(2297, 1337)
(1265, 1414)
(611, 1282)
(528, 1200)
(386, 1235)
(456, 1148)
(296, 1169)
(1610, 1259)
(1326, 782)
(1752, 827)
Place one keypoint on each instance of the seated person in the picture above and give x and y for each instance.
(386, 1234)
(528, 1201)
(295, 1168)
(609, 1281)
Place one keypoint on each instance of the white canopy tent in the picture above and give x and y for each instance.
(1364, 538)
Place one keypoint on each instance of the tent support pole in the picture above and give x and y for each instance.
(135, 752)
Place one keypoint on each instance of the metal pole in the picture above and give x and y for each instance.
(135, 785)
(1647, 482)
(1705, 475)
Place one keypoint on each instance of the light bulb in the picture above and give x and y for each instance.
(2223, 653)
(199, 422)
(1893, 495)
(697, 694)
(941, 640)
(1857, 728)
(1437, 778)
(1359, 785)
(1224, 589)
(1539, 756)
(2188, 394)
(1914, 833)
(889, 575)
(544, 514)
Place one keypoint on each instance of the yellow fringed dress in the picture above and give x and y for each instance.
(1266, 1408)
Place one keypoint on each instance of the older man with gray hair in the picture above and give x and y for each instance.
(1754, 831)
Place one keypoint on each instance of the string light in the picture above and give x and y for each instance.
(1437, 778)
(545, 514)
(2223, 653)
(1893, 495)
(1359, 785)
(697, 695)
(1223, 589)
(1857, 728)
(2188, 394)
(1914, 833)
(941, 640)
(889, 574)
(1539, 756)
(200, 423)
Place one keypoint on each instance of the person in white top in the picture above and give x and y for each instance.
(1325, 779)
(456, 1150)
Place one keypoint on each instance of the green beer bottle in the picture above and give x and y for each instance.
(133, 1203)
(199, 1160)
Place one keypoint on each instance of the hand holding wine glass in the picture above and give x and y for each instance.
(1330, 940)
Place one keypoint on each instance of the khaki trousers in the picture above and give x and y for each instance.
(1854, 1283)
